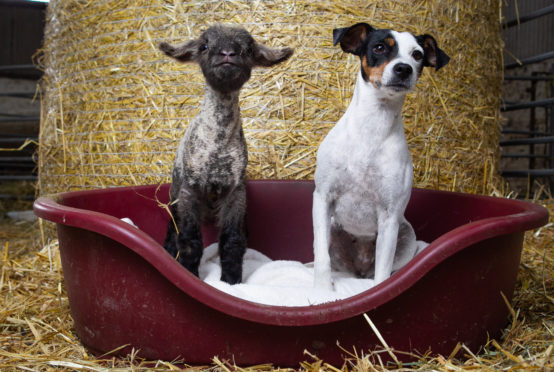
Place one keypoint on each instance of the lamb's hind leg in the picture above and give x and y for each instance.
(232, 241)
(186, 244)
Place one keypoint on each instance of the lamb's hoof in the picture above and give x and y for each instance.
(190, 266)
(194, 272)
(231, 277)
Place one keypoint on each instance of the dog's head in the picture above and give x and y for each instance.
(390, 60)
(226, 55)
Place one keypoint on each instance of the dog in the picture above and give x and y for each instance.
(364, 170)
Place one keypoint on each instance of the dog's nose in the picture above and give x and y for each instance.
(403, 70)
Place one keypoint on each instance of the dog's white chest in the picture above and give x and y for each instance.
(366, 176)
(356, 214)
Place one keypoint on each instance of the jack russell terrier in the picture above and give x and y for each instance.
(364, 170)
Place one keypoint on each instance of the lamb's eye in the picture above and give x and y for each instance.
(417, 55)
(379, 48)
(248, 51)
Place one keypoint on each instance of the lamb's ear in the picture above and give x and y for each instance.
(266, 56)
(183, 53)
(351, 38)
(433, 56)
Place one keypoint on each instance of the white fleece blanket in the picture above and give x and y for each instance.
(283, 283)
(280, 283)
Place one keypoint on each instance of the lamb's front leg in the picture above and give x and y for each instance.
(186, 245)
(232, 241)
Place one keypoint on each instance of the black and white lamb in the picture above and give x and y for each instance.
(210, 165)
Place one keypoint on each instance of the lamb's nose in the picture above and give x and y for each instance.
(403, 70)
(228, 53)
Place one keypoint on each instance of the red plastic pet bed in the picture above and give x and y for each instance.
(124, 289)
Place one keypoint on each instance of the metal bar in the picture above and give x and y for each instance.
(16, 159)
(17, 139)
(526, 141)
(528, 173)
(24, 4)
(18, 166)
(26, 177)
(18, 67)
(530, 78)
(10, 115)
(532, 119)
(16, 136)
(550, 125)
(526, 105)
(530, 60)
(18, 94)
(523, 132)
(20, 118)
(537, 156)
(529, 17)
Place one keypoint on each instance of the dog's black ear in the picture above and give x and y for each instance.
(433, 55)
(351, 38)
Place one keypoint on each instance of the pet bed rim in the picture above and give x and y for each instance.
(48, 207)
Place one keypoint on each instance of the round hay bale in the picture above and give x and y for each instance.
(114, 107)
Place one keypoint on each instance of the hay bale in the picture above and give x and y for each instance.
(114, 107)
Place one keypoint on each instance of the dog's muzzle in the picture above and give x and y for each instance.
(401, 77)
(402, 71)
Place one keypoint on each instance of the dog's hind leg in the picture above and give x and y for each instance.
(406, 247)
(322, 231)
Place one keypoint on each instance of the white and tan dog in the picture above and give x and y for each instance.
(364, 169)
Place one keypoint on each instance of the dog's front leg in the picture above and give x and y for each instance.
(322, 231)
(387, 236)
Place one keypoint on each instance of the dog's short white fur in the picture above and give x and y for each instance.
(364, 173)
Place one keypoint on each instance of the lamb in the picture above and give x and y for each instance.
(208, 178)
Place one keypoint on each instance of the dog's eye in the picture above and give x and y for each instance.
(204, 47)
(379, 48)
(417, 55)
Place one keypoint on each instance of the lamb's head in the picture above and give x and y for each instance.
(226, 55)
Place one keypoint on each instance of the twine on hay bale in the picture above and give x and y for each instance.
(114, 107)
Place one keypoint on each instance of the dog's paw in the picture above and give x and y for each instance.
(330, 286)
(324, 282)
(421, 245)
